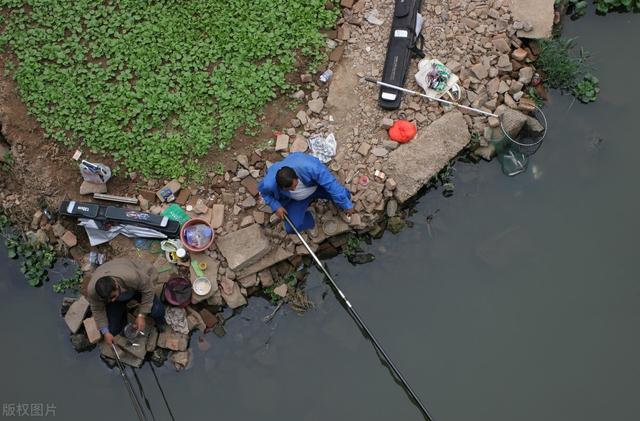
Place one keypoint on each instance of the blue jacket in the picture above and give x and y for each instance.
(311, 172)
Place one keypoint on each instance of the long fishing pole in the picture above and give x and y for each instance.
(432, 98)
(144, 395)
(352, 311)
(166, 402)
(134, 399)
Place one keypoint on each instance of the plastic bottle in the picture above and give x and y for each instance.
(326, 76)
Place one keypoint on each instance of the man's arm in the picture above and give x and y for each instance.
(148, 275)
(99, 312)
(339, 194)
(266, 194)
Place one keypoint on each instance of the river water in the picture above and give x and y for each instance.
(517, 300)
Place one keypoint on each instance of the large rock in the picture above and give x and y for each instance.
(244, 247)
(75, 314)
(538, 13)
(275, 256)
(414, 163)
(231, 293)
(512, 120)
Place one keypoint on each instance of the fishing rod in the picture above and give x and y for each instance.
(166, 402)
(432, 98)
(354, 314)
(142, 394)
(134, 399)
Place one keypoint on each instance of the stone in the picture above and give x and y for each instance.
(143, 202)
(519, 54)
(480, 71)
(75, 314)
(386, 123)
(249, 281)
(266, 279)
(504, 63)
(501, 45)
(538, 16)
(251, 185)
(183, 197)
(217, 216)
(200, 207)
(390, 184)
(390, 144)
(242, 173)
(282, 142)
(493, 122)
(244, 247)
(525, 75)
(316, 105)
(210, 320)
(379, 152)
(81, 342)
(493, 85)
(281, 290)
(69, 239)
(347, 3)
(299, 144)
(395, 224)
(231, 293)
(258, 217)
(363, 149)
(91, 328)
(35, 220)
(246, 221)
(337, 53)
(392, 208)
(180, 359)
(486, 152)
(243, 160)
(249, 202)
(534, 125)
(272, 258)
(527, 105)
(175, 341)
(512, 120)
(503, 87)
(416, 162)
(58, 230)
(515, 87)
(305, 78)
(454, 66)
(509, 102)
(473, 24)
(152, 339)
(302, 116)
(90, 188)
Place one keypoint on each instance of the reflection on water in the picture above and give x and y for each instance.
(516, 299)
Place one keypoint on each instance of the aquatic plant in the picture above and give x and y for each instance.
(37, 257)
(587, 89)
(606, 6)
(72, 283)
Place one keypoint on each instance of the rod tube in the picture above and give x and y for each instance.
(352, 311)
(444, 101)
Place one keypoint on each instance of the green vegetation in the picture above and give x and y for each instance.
(156, 84)
(587, 89)
(352, 246)
(565, 71)
(37, 258)
(72, 283)
(605, 6)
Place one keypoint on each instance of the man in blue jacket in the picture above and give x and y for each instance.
(293, 183)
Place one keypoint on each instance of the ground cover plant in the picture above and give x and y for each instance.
(157, 84)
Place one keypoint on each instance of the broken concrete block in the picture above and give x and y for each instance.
(299, 144)
(316, 105)
(181, 359)
(274, 256)
(282, 142)
(244, 247)
(416, 162)
(231, 294)
(266, 279)
(281, 290)
(75, 314)
(217, 216)
(210, 320)
(251, 185)
(69, 239)
(249, 281)
(173, 340)
(91, 328)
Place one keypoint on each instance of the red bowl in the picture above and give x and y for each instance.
(187, 224)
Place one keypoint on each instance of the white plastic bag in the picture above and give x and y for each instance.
(323, 148)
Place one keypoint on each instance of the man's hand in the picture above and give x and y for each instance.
(349, 212)
(140, 323)
(108, 338)
(281, 212)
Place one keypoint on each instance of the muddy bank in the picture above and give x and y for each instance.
(252, 254)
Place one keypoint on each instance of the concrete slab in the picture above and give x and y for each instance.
(75, 314)
(244, 247)
(413, 164)
(538, 13)
(274, 256)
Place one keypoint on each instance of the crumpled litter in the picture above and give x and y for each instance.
(323, 148)
(435, 78)
(176, 317)
(98, 236)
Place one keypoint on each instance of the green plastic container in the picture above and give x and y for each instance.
(176, 213)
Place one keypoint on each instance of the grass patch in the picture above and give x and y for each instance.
(606, 6)
(566, 71)
(157, 84)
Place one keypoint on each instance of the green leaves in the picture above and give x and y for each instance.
(157, 84)
(605, 6)
(587, 90)
(37, 258)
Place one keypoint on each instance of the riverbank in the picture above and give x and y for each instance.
(252, 255)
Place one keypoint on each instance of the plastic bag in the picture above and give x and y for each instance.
(176, 213)
(198, 235)
(323, 148)
(435, 78)
(95, 173)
